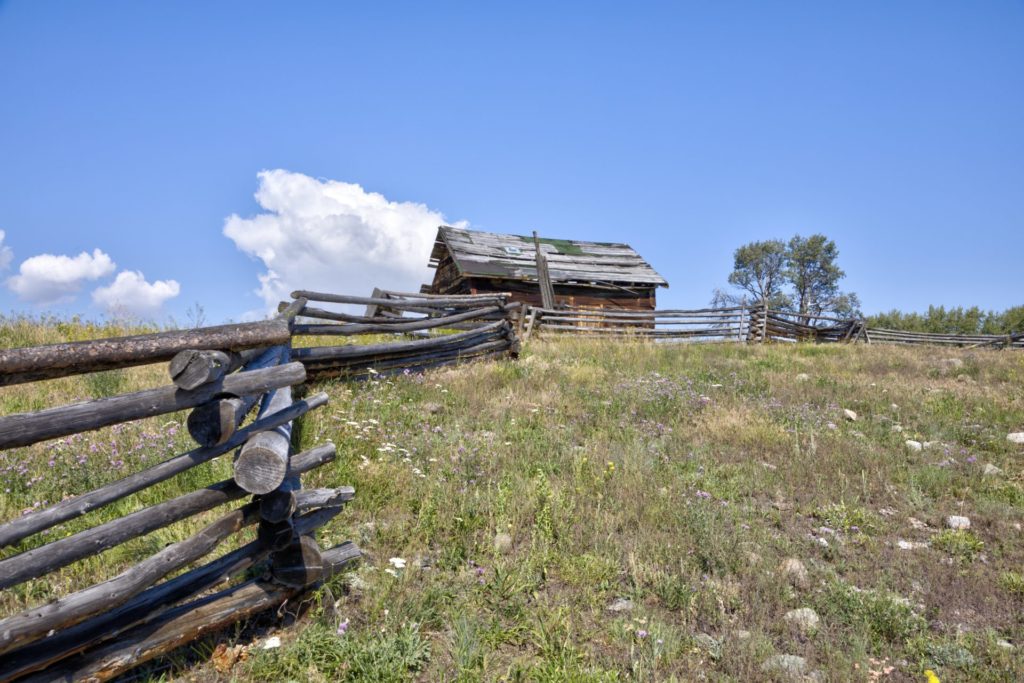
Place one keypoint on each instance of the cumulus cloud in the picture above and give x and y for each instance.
(130, 294)
(333, 236)
(5, 252)
(49, 279)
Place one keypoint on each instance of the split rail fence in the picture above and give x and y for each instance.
(486, 325)
(750, 324)
(221, 375)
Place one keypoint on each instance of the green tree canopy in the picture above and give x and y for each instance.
(758, 270)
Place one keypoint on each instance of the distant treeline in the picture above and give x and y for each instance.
(957, 320)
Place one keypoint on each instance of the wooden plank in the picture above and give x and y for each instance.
(184, 624)
(397, 326)
(22, 429)
(262, 462)
(62, 552)
(192, 368)
(36, 521)
(107, 625)
(369, 350)
(33, 363)
(75, 608)
(401, 304)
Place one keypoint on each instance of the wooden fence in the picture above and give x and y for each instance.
(740, 323)
(487, 326)
(220, 374)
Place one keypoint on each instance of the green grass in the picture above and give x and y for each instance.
(674, 480)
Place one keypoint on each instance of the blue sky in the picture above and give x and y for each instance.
(684, 129)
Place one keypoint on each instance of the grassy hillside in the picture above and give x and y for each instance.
(606, 511)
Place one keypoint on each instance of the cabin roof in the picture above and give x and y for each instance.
(513, 257)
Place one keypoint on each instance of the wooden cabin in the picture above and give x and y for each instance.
(589, 274)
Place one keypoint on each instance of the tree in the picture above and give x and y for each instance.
(812, 271)
(807, 265)
(758, 270)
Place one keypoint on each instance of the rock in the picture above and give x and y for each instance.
(893, 406)
(806, 619)
(433, 408)
(958, 522)
(913, 446)
(964, 379)
(791, 667)
(621, 605)
(952, 363)
(709, 644)
(991, 470)
(272, 643)
(502, 543)
(741, 634)
(897, 429)
(910, 545)
(917, 524)
(803, 377)
(1004, 644)
(1015, 437)
(794, 570)
(849, 415)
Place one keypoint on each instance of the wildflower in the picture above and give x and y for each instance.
(641, 634)
(930, 676)
(971, 460)
(703, 494)
(343, 627)
(397, 562)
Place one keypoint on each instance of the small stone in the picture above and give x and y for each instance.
(502, 543)
(917, 524)
(805, 618)
(991, 470)
(1004, 644)
(621, 605)
(849, 415)
(741, 634)
(958, 522)
(790, 666)
(802, 377)
(794, 570)
(952, 363)
(913, 446)
(964, 379)
(709, 644)
(433, 408)
(910, 545)
(272, 642)
(897, 428)
(1015, 437)
(893, 406)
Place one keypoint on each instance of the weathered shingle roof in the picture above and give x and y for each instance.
(487, 254)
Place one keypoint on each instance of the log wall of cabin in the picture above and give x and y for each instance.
(644, 298)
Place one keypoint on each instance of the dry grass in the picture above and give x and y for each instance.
(674, 478)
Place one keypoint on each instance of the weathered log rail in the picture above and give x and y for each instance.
(220, 374)
(752, 324)
(484, 326)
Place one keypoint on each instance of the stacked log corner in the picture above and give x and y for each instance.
(221, 374)
(445, 330)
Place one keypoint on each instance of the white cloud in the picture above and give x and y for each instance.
(48, 279)
(5, 252)
(333, 236)
(129, 293)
